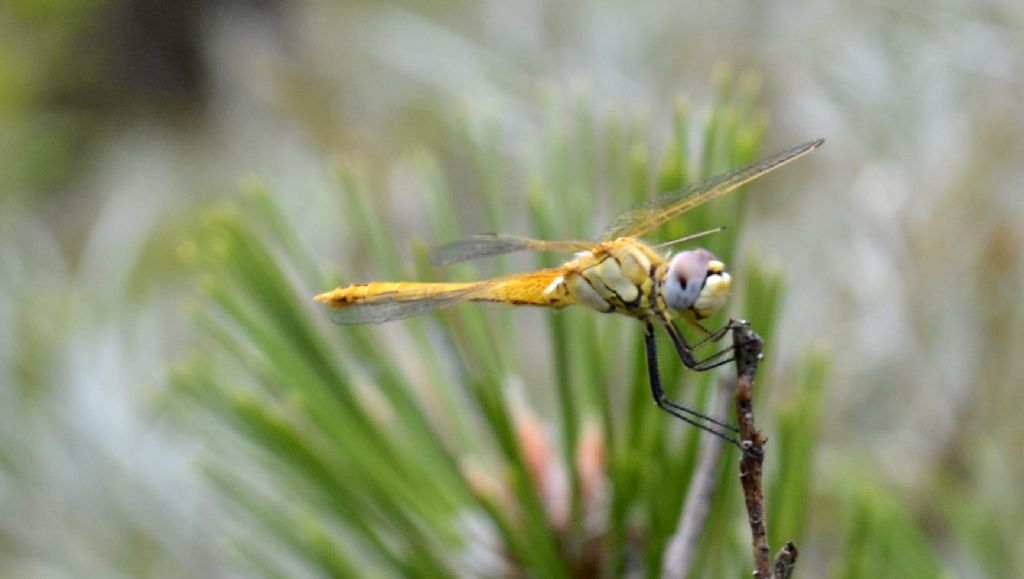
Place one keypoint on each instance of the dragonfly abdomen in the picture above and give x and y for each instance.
(545, 288)
(360, 293)
(376, 302)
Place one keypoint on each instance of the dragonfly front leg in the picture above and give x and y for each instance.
(688, 415)
(709, 336)
(685, 350)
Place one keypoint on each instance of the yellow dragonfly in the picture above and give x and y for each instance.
(620, 274)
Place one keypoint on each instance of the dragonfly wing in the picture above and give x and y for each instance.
(659, 210)
(495, 244)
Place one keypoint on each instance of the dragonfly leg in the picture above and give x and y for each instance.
(711, 337)
(719, 358)
(685, 350)
(713, 361)
(679, 411)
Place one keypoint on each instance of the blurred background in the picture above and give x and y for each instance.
(126, 124)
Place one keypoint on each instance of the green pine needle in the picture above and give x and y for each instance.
(363, 440)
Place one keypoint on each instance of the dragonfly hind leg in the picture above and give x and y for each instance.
(702, 421)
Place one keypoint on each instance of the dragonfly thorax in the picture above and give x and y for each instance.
(697, 282)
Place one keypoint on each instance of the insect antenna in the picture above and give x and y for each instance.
(690, 237)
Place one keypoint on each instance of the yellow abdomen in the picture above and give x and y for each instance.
(540, 288)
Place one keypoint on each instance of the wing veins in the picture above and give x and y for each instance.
(487, 245)
(666, 207)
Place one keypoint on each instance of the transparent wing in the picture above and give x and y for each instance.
(655, 212)
(387, 307)
(495, 244)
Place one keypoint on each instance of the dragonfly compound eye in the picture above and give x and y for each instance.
(687, 273)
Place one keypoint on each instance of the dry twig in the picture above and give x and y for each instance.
(748, 346)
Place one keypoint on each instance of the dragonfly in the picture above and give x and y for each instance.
(619, 274)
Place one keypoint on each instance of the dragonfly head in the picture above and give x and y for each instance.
(696, 282)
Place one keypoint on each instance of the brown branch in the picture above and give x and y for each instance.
(748, 347)
(785, 561)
